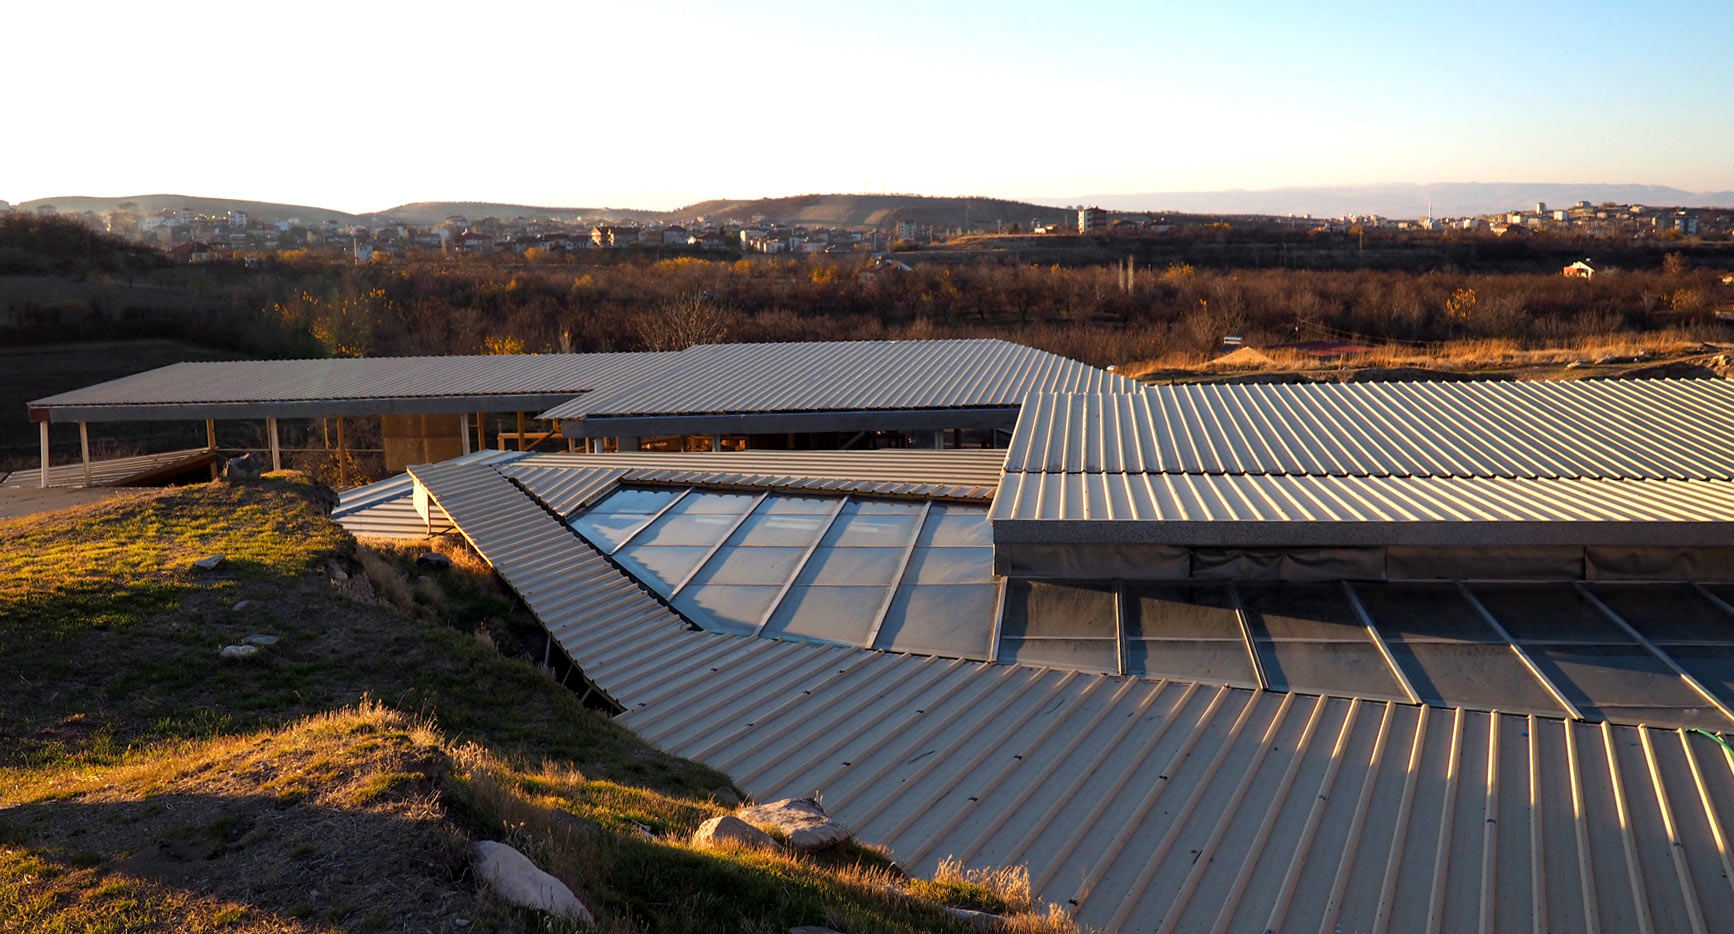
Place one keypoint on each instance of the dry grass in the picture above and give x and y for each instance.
(1474, 355)
(165, 790)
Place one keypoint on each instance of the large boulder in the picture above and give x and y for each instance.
(729, 829)
(517, 880)
(802, 820)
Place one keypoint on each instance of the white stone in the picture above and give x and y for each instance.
(239, 651)
(242, 605)
(261, 638)
(517, 880)
(731, 829)
(802, 820)
(210, 563)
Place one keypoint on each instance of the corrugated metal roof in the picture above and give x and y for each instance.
(570, 587)
(1629, 429)
(118, 471)
(845, 376)
(384, 509)
(1284, 509)
(1154, 805)
(267, 385)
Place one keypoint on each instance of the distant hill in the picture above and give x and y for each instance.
(431, 212)
(1452, 199)
(881, 211)
(262, 211)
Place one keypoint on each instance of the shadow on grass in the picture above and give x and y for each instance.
(363, 869)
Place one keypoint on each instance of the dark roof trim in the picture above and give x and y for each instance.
(758, 423)
(531, 403)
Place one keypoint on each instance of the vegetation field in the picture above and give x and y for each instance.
(333, 781)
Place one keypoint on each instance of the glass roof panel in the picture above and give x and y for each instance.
(1084, 654)
(950, 566)
(608, 530)
(827, 614)
(1217, 661)
(1424, 613)
(865, 566)
(704, 502)
(636, 499)
(1181, 611)
(768, 528)
(725, 607)
(782, 504)
(1668, 612)
(1059, 610)
(941, 619)
(1548, 613)
(673, 529)
(1301, 611)
(750, 565)
(952, 526)
(871, 530)
(661, 567)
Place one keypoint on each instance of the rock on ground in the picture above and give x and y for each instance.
(243, 469)
(261, 638)
(433, 561)
(239, 651)
(210, 563)
(517, 880)
(802, 820)
(731, 829)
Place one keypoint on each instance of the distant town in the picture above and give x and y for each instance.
(198, 236)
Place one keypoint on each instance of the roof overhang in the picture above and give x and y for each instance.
(299, 408)
(1357, 533)
(754, 423)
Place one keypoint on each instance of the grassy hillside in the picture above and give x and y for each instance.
(430, 212)
(257, 211)
(877, 210)
(333, 782)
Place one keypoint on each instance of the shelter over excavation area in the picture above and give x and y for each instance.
(832, 386)
(348, 386)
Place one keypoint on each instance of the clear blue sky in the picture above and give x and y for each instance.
(360, 106)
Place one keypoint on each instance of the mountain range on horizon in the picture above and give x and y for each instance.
(1400, 200)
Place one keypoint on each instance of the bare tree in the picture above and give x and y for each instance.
(683, 322)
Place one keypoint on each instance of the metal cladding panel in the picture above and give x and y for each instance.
(1153, 805)
(266, 381)
(846, 375)
(113, 472)
(974, 469)
(383, 509)
(1176, 498)
(564, 490)
(570, 587)
(1169, 806)
(1629, 429)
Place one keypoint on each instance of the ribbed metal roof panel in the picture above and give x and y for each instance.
(117, 471)
(1676, 429)
(366, 378)
(570, 587)
(1285, 498)
(1153, 805)
(956, 468)
(846, 375)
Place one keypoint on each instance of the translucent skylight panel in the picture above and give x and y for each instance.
(607, 530)
(746, 564)
(661, 567)
(1548, 613)
(942, 619)
(1187, 631)
(707, 503)
(949, 566)
(952, 526)
(1669, 612)
(783, 504)
(871, 530)
(772, 528)
(827, 613)
(727, 607)
(636, 500)
(1068, 625)
(674, 529)
(847, 566)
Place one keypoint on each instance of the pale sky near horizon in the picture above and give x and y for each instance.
(361, 106)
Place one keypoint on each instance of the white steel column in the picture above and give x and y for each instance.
(464, 429)
(84, 449)
(44, 476)
(276, 446)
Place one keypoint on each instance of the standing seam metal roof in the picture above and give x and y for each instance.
(1154, 805)
(845, 375)
(364, 378)
(1674, 429)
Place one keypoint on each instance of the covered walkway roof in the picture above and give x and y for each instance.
(832, 386)
(348, 386)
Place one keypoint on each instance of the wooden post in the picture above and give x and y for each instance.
(84, 449)
(464, 430)
(211, 443)
(44, 478)
(522, 445)
(342, 456)
(481, 432)
(276, 445)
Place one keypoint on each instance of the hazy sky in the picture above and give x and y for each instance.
(361, 105)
